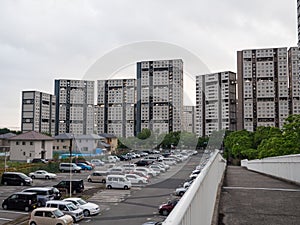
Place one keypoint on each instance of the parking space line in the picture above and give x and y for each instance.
(5, 219)
(15, 212)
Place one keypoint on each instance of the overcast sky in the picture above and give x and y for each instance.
(44, 40)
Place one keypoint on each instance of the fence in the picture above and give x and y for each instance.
(284, 167)
(197, 205)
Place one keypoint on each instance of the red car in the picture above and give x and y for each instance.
(165, 209)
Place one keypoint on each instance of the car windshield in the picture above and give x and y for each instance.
(23, 176)
(58, 213)
(72, 207)
(81, 202)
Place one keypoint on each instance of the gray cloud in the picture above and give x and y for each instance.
(44, 40)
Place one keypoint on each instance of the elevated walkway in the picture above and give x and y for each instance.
(249, 198)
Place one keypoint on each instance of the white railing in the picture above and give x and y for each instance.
(197, 205)
(285, 167)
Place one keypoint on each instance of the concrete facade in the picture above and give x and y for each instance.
(38, 112)
(188, 119)
(30, 145)
(160, 95)
(215, 103)
(115, 110)
(74, 106)
(263, 88)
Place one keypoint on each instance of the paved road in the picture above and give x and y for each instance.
(249, 198)
(142, 204)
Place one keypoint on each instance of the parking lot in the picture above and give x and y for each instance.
(108, 200)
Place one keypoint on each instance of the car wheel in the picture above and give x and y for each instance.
(181, 193)
(47, 177)
(5, 206)
(59, 224)
(32, 176)
(125, 187)
(5, 183)
(109, 186)
(39, 204)
(32, 223)
(140, 182)
(165, 212)
(62, 171)
(74, 220)
(22, 184)
(74, 192)
(103, 181)
(86, 213)
(89, 180)
(26, 209)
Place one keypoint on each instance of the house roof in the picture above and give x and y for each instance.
(89, 137)
(32, 135)
(66, 136)
(7, 135)
(108, 135)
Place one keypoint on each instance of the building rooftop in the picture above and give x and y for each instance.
(7, 135)
(32, 135)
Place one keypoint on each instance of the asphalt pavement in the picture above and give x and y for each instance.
(249, 198)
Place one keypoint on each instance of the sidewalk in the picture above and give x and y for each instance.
(249, 198)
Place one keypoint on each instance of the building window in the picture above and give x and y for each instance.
(24, 153)
(17, 143)
(23, 143)
(31, 143)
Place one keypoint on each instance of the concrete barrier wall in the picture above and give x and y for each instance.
(197, 205)
(284, 167)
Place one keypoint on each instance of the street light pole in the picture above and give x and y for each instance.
(71, 146)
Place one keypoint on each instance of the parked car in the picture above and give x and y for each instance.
(116, 170)
(141, 174)
(68, 208)
(143, 162)
(77, 186)
(44, 194)
(158, 168)
(56, 192)
(84, 166)
(180, 191)
(21, 201)
(15, 178)
(148, 171)
(87, 207)
(165, 209)
(67, 167)
(38, 160)
(88, 163)
(188, 183)
(97, 176)
(117, 181)
(49, 216)
(169, 161)
(42, 174)
(116, 158)
(129, 167)
(136, 179)
(97, 162)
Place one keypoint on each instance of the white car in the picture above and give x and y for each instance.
(87, 207)
(180, 191)
(97, 162)
(42, 174)
(157, 168)
(136, 179)
(49, 216)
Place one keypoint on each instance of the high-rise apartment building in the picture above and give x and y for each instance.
(160, 95)
(294, 80)
(298, 16)
(188, 119)
(74, 106)
(215, 103)
(38, 112)
(115, 108)
(263, 89)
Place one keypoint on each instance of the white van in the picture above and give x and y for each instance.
(67, 167)
(117, 181)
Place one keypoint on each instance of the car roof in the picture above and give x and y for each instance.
(24, 193)
(57, 202)
(74, 199)
(39, 188)
(46, 209)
